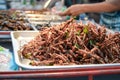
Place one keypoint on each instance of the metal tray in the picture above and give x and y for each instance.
(21, 38)
(25, 24)
(38, 25)
(12, 16)
(42, 11)
(6, 34)
(44, 17)
(33, 18)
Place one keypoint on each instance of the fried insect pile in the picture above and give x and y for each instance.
(13, 21)
(72, 43)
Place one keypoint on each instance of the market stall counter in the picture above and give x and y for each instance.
(62, 74)
(68, 50)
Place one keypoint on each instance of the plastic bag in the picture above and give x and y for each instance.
(6, 60)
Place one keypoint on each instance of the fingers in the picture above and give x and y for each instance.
(62, 14)
(65, 13)
(72, 11)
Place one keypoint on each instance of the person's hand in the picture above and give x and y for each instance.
(73, 10)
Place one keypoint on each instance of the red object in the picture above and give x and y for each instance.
(4, 32)
(61, 73)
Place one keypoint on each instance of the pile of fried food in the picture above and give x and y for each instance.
(11, 20)
(72, 43)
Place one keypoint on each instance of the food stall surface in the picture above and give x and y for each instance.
(75, 74)
(94, 73)
(109, 72)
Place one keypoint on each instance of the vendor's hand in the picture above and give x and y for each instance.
(73, 10)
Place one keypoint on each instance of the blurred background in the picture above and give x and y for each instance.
(54, 5)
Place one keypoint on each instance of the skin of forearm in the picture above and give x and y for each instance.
(100, 7)
(106, 6)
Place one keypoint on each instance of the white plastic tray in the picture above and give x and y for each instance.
(19, 38)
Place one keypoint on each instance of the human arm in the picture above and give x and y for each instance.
(106, 6)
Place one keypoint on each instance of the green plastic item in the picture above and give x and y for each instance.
(1, 48)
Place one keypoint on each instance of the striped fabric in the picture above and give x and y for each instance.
(111, 20)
